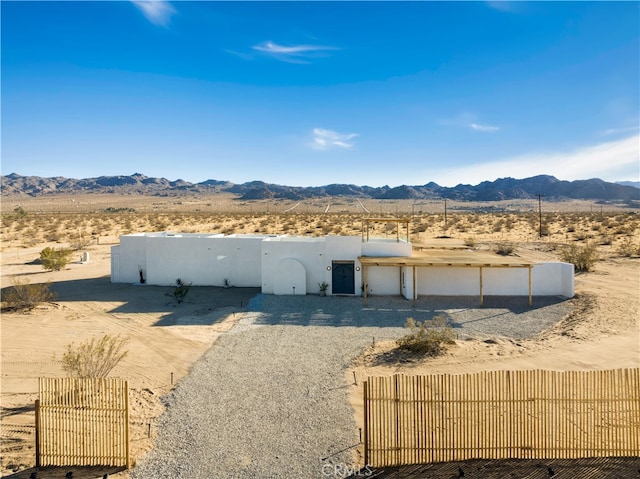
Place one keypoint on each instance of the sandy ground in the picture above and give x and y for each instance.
(603, 332)
(165, 339)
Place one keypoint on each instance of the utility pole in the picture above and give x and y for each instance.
(540, 215)
(445, 214)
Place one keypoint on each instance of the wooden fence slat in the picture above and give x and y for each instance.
(531, 414)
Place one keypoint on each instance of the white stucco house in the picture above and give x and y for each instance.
(294, 265)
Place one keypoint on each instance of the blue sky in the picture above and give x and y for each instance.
(314, 93)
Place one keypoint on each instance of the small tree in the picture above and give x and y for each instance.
(180, 291)
(55, 259)
(22, 296)
(427, 339)
(94, 358)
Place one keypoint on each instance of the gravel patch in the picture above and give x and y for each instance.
(269, 398)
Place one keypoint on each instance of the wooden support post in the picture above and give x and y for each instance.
(481, 288)
(415, 286)
(530, 287)
(365, 286)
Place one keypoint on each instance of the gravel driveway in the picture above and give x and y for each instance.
(269, 399)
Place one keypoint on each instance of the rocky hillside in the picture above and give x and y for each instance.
(501, 189)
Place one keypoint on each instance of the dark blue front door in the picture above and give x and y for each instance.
(343, 278)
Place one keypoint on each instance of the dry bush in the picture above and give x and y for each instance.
(628, 249)
(583, 258)
(94, 358)
(55, 259)
(23, 296)
(82, 242)
(504, 249)
(606, 239)
(427, 338)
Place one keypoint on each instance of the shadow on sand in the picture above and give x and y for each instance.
(199, 306)
(393, 311)
(207, 305)
(56, 472)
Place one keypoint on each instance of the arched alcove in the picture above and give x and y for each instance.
(291, 278)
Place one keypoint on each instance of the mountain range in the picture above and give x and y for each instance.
(501, 189)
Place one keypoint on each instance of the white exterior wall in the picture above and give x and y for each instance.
(407, 282)
(127, 257)
(277, 264)
(309, 253)
(547, 279)
(386, 280)
(197, 259)
(385, 247)
(448, 281)
(203, 260)
(383, 280)
(550, 279)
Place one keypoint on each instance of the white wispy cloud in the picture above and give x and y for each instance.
(158, 12)
(615, 131)
(484, 128)
(469, 121)
(292, 53)
(610, 161)
(327, 139)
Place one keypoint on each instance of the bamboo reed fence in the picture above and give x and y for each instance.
(82, 422)
(501, 414)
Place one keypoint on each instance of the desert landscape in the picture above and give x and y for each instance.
(602, 331)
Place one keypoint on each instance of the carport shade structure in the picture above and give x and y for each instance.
(440, 262)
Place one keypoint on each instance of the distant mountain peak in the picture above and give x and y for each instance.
(500, 189)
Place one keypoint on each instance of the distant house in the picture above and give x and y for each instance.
(351, 265)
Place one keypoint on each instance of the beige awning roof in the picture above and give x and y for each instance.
(446, 260)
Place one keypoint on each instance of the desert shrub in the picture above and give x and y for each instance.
(94, 358)
(23, 296)
(427, 338)
(470, 242)
(112, 209)
(20, 212)
(504, 249)
(55, 259)
(606, 239)
(583, 258)
(81, 242)
(180, 291)
(628, 249)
